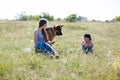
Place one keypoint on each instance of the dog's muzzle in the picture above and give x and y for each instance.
(59, 34)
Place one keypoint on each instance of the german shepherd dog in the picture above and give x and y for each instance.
(53, 31)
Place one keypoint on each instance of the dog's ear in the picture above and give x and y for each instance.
(59, 25)
(54, 27)
(62, 25)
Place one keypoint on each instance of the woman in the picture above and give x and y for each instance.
(41, 39)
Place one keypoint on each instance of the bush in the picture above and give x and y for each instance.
(71, 18)
(94, 20)
(24, 17)
(59, 19)
(117, 18)
(47, 16)
(106, 20)
(36, 18)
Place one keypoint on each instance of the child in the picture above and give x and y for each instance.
(87, 45)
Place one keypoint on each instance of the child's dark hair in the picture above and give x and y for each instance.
(41, 23)
(87, 36)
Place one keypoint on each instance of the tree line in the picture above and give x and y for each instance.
(69, 18)
(24, 17)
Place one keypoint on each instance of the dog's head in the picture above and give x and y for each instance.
(58, 30)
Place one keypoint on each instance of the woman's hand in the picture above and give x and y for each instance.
(51, 42)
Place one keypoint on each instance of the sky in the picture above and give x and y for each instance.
(92, 9)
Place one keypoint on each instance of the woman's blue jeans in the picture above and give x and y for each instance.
(44, 47)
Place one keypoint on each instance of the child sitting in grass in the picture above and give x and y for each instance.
(87, 45)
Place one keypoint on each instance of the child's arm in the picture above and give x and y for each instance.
(91, 44)
(82, 43)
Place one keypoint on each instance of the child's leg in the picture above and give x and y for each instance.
(90, 49)
(84, 48)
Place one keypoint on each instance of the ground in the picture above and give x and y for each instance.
(18, 60)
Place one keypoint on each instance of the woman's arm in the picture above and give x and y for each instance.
(46, 35)
(35, 37)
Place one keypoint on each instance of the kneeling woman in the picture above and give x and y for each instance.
(41, 39)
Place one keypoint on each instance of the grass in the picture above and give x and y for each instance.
(18, 64)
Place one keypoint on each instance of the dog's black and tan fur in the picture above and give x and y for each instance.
(52, 32)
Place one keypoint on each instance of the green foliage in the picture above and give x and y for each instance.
(106, 20)
(35, 62)
(71, 18)
(59, 19)
(47, 16)
(94, 20)
(24, 17)
(117, 18)
(36, 18)
(29, 18)
(5, 68)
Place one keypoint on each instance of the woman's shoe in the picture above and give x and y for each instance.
(57, 57)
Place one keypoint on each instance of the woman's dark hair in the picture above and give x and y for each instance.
(87, 36)
(41, 23)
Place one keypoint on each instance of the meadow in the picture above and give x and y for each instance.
(18, 60)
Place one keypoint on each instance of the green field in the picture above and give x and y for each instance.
(18, 64)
